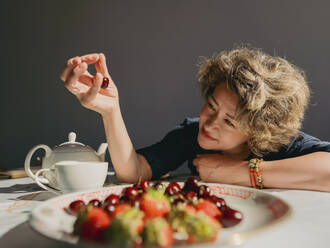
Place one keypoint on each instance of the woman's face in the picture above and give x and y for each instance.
(217, 128)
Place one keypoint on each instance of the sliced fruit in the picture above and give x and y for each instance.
(202, 228)
(208, 208)
(154, 203)
(125, 228)
(157, 232)
(91, 222)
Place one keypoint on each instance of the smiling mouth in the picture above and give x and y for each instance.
(207, 135)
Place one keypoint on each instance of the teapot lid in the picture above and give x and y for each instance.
(72, 146)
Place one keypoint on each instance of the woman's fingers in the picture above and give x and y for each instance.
(69, 65)
(93, 58)
(90, 58)
(195, 162)
(73, 62)
(99, 69)
(87, 79)
(71, 81)
(103, 64)
(75, 70)
(90, 95)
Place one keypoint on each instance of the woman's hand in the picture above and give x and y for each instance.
(218, 168)
(86, 87)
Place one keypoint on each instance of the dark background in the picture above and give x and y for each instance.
(152, 48)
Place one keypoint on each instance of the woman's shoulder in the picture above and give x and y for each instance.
(300, 145)
(190, 121)
(304, 140)
(188, 125)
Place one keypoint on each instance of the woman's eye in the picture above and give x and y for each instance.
(211, 106)
(229, 123)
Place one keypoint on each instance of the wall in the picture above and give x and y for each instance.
(152, 48)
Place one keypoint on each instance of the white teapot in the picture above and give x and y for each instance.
(70, 150)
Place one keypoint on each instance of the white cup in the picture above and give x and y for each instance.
(74, 176)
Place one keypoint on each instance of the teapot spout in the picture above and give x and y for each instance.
(101, 151)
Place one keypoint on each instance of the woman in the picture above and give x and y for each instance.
(248, 130)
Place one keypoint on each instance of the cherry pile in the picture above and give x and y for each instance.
(189, 194)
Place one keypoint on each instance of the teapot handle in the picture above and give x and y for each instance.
(29, 156)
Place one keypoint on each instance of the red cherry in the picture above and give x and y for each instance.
(76, 206)
(109, 208)
(131, 192)
(191, 184)
(192, 180)
(218, 201)
(123, 199)
(204, 191)
(95, 203)
(173, 188)
(112, 199)
(145, 184)
(158, 185)
(105, 83)
(230, 217)
(190, 195)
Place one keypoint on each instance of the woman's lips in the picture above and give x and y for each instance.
(207, 135)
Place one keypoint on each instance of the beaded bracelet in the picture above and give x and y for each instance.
(255, 173)
(252, 179)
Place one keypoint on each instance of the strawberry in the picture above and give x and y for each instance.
(91, 222)
(202, 228)
(191, 238)
(189, 209)
(209, 208)
(125, 228)
(178, 215)
(154, 203)
(157, 232)
(120, 208)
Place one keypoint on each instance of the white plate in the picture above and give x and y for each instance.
(260, 210)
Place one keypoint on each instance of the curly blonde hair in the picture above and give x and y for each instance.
(273, 94)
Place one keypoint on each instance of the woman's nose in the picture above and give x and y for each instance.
(211, 122)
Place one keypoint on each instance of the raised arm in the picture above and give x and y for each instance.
(129, 165)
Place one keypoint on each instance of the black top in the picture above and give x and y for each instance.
(180, 145)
